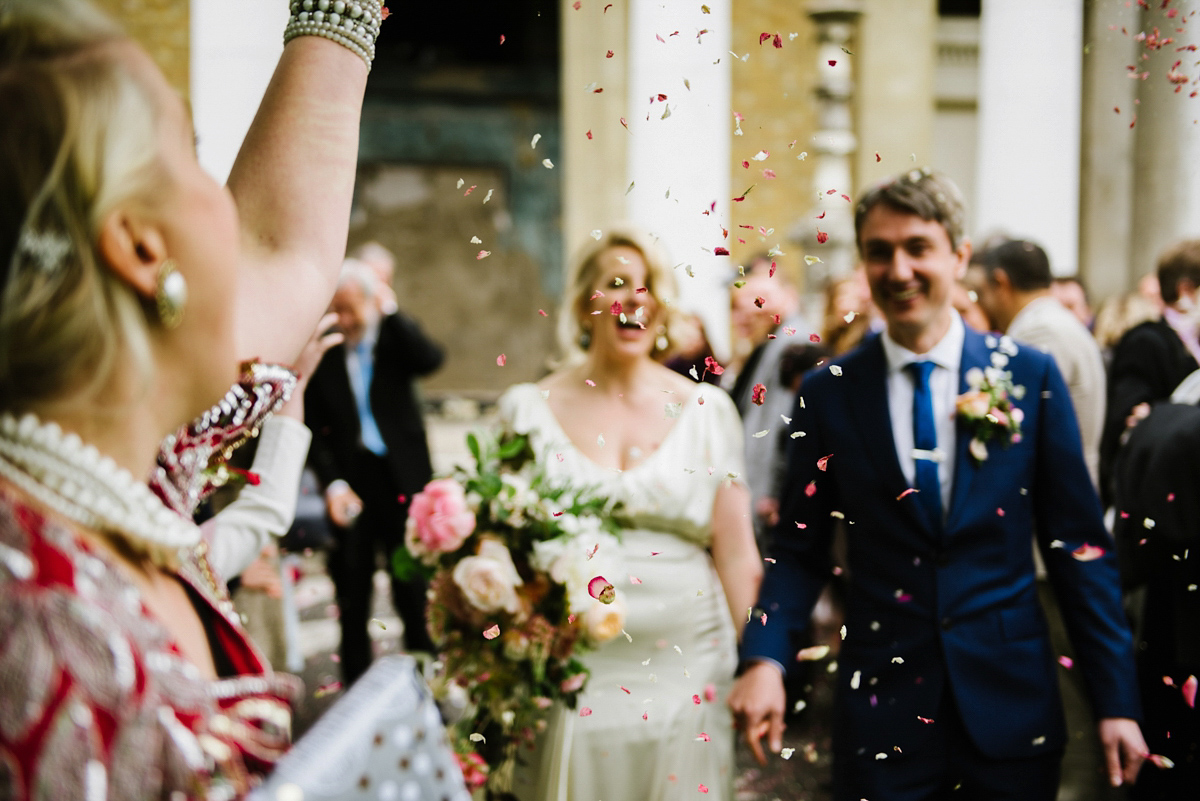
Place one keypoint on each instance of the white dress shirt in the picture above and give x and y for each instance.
(943, 387)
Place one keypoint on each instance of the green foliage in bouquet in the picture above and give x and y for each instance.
(506, 551)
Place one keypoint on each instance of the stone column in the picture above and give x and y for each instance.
(1166, 183)
(894, 96)
(1106, 180)
(834, 145)
(235, 47)
(680, 129)
(1030, 76)
(593, 167)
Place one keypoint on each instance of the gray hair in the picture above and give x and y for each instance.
(359, 273)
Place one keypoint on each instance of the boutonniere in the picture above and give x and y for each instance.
(987, 407)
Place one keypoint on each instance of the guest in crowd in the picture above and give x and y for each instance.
(946, 671)
(1118, 315)
(848, 314)
(966, 302)
(1157, 494)
(133, 284)
(1013, 282)
(690, 350)
(370, 453)
(687, 545)
(1152, 358)
(1073, 295)
(774, 322)
(383, 264)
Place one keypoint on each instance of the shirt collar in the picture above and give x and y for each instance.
(946, 353)
(369, 338)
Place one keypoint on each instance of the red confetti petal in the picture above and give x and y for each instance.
(822, 237)
(589, 134)
(696, 700)
(758, 394)
(720, 251)
(777, 41)
(710, 365)
(811, 489)
(924, 720)
(1189, 691)
(814, 337)
(501, 38)
(703, 789)
(878, 158)
(543, 312)
(609, 54)
(762, 37)
(615, 308)
(832, 62)
(823, 462)
(384, 12)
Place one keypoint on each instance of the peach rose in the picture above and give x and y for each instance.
(602, 622)
(438, 520)
(489, 580)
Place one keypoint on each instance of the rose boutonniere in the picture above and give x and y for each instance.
(987, 407)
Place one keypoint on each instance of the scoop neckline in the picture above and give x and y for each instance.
(589, 460)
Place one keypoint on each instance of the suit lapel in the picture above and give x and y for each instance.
(975, 354)
(868, 401)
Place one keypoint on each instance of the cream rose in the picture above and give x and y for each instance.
(489, 580)
(602, 622)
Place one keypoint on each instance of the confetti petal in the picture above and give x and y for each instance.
(1087, 553)
(491, 632)
(501, 360)
(585, 712)
(1189, 691)
(602, 590)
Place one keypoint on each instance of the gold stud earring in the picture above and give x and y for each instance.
(170, 294)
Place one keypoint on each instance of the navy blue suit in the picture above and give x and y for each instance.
(955, 612)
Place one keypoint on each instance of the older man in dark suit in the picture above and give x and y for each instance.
(370, 454)
(946, 673)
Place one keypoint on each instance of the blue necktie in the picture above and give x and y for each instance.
(929, 488)
(371, 438)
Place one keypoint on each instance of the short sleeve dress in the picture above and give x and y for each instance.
(652, 722)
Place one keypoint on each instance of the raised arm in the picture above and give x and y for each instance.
(293, 182)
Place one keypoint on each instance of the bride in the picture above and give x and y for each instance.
(131, 285)
(652, 721)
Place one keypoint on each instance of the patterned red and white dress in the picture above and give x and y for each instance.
(98, 702)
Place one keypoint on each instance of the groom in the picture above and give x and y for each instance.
(946, 675)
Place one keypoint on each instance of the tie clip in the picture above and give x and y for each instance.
(928, 456)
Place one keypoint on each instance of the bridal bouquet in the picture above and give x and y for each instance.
(516, 590)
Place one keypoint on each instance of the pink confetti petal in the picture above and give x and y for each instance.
(710, 692)
(1088, 553)
(704, 738)
(811, 489)
(1066, 662)
(704, 789)
(585, 712)
(634, 580)
(711, 365)
(483, 254)
(758, 394)
(602, 590)
(696, 700)
(924, 720)
(823, 462)
(501, 360)
(1189, 691)
(491, 632)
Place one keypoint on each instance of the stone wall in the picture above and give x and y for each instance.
(162, 28)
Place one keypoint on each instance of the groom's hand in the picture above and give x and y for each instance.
(758, 701)
(1123, 747)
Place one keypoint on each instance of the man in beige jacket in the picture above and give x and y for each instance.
(1012, 281)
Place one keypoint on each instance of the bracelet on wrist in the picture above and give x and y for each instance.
(354, 24)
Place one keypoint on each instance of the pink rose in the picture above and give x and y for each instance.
(438, 520)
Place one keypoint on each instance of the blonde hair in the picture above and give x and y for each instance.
(660, 283)
(77, 136)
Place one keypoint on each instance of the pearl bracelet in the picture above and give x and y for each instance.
(354, 24)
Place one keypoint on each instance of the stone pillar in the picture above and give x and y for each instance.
(235, 47)
(894, 96)
(1166, 191)
(1027, 179)
(1106, 179)
(593, 168)
(679, 145)
(831, 215)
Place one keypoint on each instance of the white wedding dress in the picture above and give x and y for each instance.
(659, 726)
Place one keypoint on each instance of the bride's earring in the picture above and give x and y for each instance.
(170, 294)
